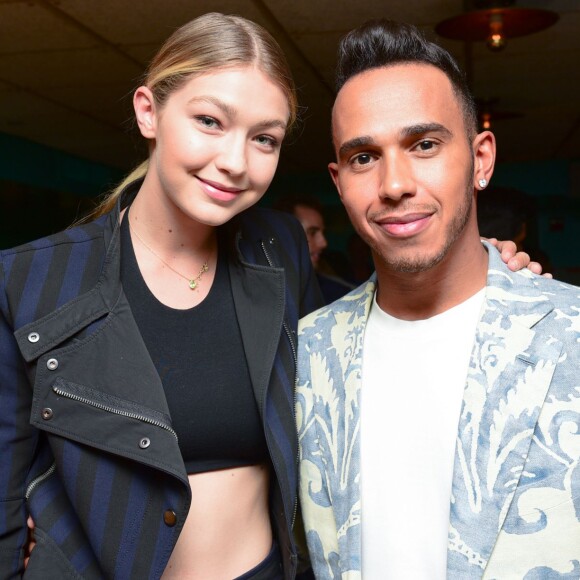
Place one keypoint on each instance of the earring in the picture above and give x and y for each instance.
(483, 183)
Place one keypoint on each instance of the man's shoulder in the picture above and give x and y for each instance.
(565, 299)
(556, 291)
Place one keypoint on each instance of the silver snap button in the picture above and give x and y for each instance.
(33, 337)
(47, 413)
(144, 443)
(272, 241)
(51, 364)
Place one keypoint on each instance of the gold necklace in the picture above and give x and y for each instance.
(193, 282)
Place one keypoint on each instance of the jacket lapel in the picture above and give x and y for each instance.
(347, 338)
(258, 294)
(510, 372)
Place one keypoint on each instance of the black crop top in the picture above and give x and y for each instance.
(200, 359)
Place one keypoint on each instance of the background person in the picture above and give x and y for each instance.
(310, 213)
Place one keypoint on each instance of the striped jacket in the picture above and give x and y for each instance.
(86, 443)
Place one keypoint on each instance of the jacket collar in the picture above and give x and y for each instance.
(258, 292)
(85, 308)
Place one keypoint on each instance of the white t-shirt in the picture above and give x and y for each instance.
(413, 378)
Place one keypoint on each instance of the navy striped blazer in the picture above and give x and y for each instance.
(86, 443)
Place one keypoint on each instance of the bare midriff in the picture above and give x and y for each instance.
(227, 531)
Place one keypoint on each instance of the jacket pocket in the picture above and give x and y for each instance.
(104, 421)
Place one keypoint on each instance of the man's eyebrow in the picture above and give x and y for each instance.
(422, 128)
(355, 143)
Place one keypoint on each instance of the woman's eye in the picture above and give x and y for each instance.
(267, 141)
(208, 122)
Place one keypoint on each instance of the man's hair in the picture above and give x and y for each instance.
(383, 43)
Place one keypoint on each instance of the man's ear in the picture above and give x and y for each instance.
(484, 159)
(145, 112)
(333, 170)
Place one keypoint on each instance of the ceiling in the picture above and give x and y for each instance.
(68, 68)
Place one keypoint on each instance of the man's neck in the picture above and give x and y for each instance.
(420, 295)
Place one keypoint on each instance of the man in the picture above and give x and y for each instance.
(309, 212)
(438, 404)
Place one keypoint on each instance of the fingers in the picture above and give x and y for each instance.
(31, 541)
(519, 261)
(492, 241)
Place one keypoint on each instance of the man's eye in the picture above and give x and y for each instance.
(362, 159)
(426, 145)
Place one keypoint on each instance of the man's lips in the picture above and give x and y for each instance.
(219, 191)
(405, 225)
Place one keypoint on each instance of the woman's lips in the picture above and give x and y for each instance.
(405, 226)
(219, 191)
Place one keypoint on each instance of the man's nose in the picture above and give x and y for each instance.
(397, 177)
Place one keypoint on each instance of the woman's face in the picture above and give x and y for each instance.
(215, 142)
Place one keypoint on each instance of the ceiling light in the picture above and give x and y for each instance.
(494, 22)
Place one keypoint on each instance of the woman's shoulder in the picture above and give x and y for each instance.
(79, 234)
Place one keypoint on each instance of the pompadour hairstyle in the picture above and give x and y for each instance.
(383, 43)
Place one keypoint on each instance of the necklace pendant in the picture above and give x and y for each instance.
(193, 284)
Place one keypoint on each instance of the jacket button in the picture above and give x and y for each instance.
(169, 518)
(47, 413)
(145, 442)
(33, 337)
(51, 364)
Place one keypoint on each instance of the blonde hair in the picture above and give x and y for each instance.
(206, 43)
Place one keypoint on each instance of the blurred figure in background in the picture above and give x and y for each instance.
(310, 213)
(509, 213)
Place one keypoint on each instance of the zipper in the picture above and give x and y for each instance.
(110, 409)
(295, 356)
(38, 480)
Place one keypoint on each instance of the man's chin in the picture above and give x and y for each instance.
(413, 264)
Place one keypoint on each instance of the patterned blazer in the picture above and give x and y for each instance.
(515, 502)
(86, 442)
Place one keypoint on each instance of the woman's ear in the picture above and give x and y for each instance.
(145, 112)
(484, 159)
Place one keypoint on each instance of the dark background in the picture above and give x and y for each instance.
(68, 68)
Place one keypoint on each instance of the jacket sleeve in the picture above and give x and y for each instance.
(16, 446)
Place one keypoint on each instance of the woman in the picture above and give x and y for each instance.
(157, 309)
(147, 357)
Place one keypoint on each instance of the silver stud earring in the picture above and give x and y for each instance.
(483, 183)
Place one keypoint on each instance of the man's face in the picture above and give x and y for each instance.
(405, 168)
(313, 224)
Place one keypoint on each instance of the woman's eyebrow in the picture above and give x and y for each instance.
(227, 109)
(231, 112)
